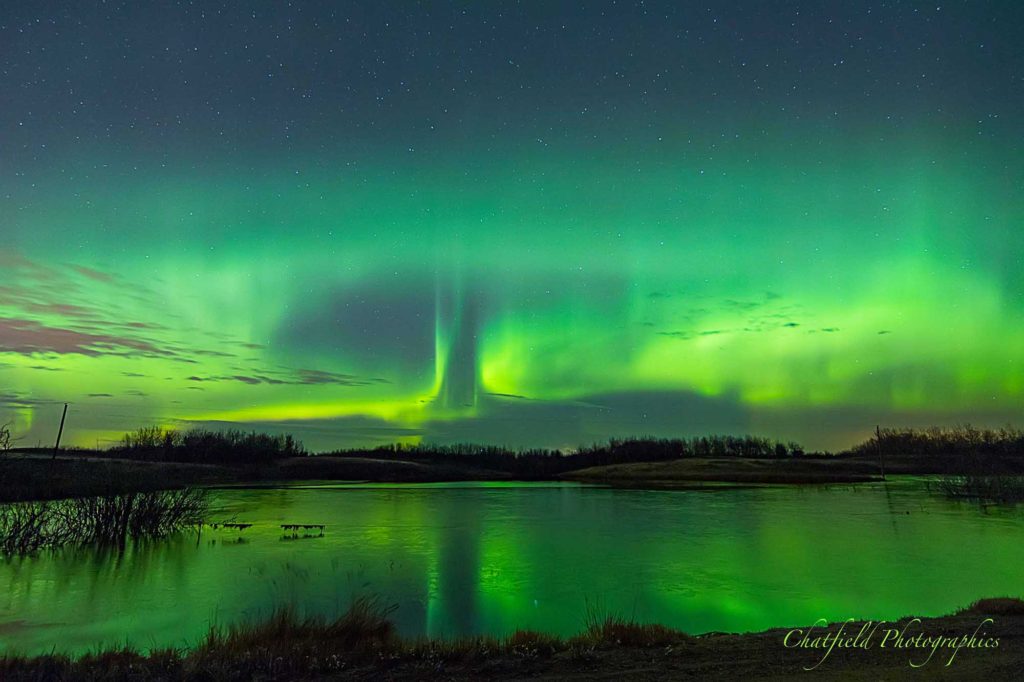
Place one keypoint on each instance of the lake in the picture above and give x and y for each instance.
(490, 558)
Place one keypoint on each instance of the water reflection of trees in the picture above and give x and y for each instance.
(99, 574)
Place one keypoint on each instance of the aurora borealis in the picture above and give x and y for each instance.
(534, 224)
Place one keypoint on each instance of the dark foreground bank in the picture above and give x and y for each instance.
(25, 477)
(984, 641)
(31, 477)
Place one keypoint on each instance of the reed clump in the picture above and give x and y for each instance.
(997, 488)
(618, 631)
(28, 527)
(24, 527)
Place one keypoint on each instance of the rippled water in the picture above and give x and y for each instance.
(473, 558)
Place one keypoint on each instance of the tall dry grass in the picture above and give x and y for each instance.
(27, 527)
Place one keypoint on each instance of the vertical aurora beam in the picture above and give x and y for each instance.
(455, 344)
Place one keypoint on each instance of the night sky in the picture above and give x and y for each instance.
(531, 224)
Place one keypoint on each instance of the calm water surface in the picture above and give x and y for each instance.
(476, 558)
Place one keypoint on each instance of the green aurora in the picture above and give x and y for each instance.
(676, 268)
(856, 285)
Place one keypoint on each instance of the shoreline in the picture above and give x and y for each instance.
(686, 472)
(287, 648)
(362, 644)
(31, 477)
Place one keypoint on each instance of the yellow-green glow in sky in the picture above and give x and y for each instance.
(516, 244)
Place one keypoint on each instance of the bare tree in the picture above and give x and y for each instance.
(5, 438)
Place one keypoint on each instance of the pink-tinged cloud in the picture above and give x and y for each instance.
(27, 337)
(95, 275)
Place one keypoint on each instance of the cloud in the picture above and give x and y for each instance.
(142, 325)
(508, 395)
(27, 337)
(315, 376)
(730, 303)
(48, 310)
(14, 399)
(294, 377)
(214, 353)
(94, 275)
(326, 435)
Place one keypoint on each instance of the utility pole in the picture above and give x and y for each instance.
(60, 431)
(881, 455)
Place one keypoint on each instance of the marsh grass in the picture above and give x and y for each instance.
(363, 643)
(603, 627)
(286, 645)
(983, 488)
(114, 518)
(365, 628)
(612, 630)
(28, 527)
(997, 606)
(982, 478)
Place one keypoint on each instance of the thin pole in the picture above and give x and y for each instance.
(60, 431)
(881, 455)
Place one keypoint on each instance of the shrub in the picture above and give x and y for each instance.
(27, 527)
(154, 443)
